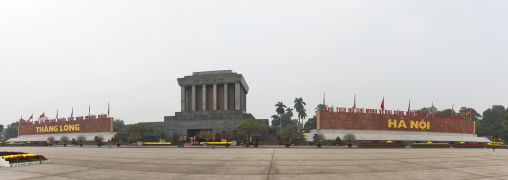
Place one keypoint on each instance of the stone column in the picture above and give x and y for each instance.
(237, 96)
(183, 99)
(204, 97)
(226, 96)
(214, 97)
(193, 98)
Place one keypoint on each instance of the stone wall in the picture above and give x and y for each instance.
(215, 120)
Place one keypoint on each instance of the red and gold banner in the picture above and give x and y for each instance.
(390, 122)
(77, 126)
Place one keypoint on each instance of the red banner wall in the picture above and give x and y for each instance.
(365, 121)
(77, 126)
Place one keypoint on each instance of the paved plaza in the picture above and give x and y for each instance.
(261, 163)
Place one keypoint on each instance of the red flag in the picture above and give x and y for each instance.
(31, 117)
(57, 114)
(42, 115)
(108, 109)
(72, 112)
(432, 108)
(383, 104)
(468, 113)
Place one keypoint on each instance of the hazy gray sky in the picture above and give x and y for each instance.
(64, 54)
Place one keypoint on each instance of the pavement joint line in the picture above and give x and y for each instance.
(271, 162)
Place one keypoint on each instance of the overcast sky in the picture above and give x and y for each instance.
(64, 54)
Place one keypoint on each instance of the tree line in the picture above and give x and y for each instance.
(284, 120)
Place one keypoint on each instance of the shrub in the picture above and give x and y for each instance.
(288, 136)
(51, 139)
(217, 136)
(205, 135)
(81, 139)
(176, 136)
(338, 141)
(98, 139)
(318, 137)
(74, 141)
(133, 137)
(163, 135)
(228, 136)
(118, 137)
(349, 138)
(64, 139)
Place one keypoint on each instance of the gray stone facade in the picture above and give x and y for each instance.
(212, 100)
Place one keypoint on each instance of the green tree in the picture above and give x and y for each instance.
(505, 125)
(302, 115)
(141, 129)
(491, 123)
(285, 119)
(446, 112)
(475, 116)
(310, 124)
(250, 126)
(1, 128)
(320, 107)
(12, 130)
(119, 125)
(280, 111)
(293, 128)
(280, 108)
(300, 108)
(289, 112)
(427, 110)
(275, 120)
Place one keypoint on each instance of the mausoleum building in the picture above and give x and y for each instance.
(211, 100)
